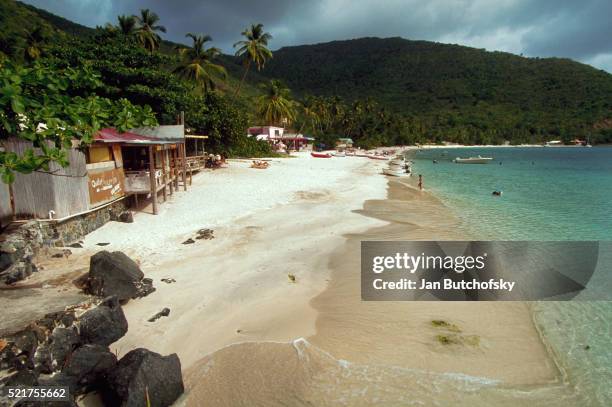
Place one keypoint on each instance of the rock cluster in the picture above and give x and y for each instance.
(17, 252)
(71, 348)
(202, 234)
(205, 234)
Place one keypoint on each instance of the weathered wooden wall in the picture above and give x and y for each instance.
(6, 214)
(65, 191)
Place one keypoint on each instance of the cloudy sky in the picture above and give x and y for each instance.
(578, 29)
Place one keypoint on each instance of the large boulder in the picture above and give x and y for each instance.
(114, 274)
(143, 375)
(90, 364)
(104, 324)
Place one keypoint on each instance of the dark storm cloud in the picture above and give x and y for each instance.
(563, 28)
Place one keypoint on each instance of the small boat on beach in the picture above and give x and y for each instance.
(473, 160)
(377, 157)
(339, 154)
(396, 172)
(321, 155)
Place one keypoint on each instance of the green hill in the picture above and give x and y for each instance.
(452, 86)
(16, 18)
(444, 92)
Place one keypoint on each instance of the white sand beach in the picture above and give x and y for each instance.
(303, 217)
(267, 224)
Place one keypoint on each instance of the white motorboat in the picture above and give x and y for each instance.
(397, 161)
(473, 160)
(396, 173)
(339, 154)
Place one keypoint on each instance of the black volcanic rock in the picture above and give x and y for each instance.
(126, 217)
(104, 324)
(114, 274)
(141, 375)
(90, 364)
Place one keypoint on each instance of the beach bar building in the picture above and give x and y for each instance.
(113, 167)
(152, 160)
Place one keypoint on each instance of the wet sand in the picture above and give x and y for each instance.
(497, 340)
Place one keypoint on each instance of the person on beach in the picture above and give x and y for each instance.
(420, 182)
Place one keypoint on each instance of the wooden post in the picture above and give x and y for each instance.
(152, 179)
(164, 175)
(184, 162)
(176, 178)
(170, 174)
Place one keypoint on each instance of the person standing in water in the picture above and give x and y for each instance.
(420, 182)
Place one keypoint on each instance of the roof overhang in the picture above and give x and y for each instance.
(110, 136)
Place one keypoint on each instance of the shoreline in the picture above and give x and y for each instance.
(313, 359)
(419, 226)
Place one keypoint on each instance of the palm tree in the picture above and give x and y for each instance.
(196, 63)
(275, 107)
(127, 25)
(34, 43)
(254, 49)
(147, 29)
(309, 115)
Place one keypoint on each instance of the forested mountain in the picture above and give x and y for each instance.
(385, 91)
(17, 18)
(451, 89)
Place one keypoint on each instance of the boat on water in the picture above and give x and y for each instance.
(397, 161)
(473, 160)
(321, 155)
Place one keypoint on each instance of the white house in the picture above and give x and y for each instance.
(267, 133)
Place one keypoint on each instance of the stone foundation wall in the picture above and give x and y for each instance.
(21, 244)
(58, 234)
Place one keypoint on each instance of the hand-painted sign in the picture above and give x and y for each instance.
(105, 186)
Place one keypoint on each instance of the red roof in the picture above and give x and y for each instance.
(109, 135)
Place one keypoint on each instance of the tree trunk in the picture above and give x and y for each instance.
(246, 71)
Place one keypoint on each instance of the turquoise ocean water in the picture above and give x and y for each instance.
(550, 193)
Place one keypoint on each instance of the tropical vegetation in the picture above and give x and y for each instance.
(196, 63)
(276, 107)
(147, 29)
(51, 108)
(60, 88)
(253, 49)
(62, 81)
